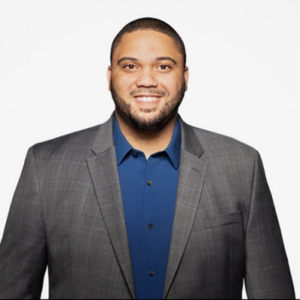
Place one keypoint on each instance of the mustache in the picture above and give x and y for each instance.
(151, 91)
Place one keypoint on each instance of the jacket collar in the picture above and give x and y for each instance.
(105, 138)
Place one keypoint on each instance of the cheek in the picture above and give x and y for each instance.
(123, 84)
(171, 85)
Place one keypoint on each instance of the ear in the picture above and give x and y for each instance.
(108, 76)
(186, 77)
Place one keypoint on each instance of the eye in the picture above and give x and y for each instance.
(130, 67)
(164, 67)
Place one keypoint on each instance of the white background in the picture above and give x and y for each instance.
(244, 58)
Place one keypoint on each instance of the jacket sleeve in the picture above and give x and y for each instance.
(267, 269)
(23, 255)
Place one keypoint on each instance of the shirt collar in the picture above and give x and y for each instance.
(174, 148)
(123, 147)
(121, 144)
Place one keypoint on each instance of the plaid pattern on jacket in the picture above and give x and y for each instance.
(67, 214)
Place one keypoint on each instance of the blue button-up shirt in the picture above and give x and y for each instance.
(149, 191)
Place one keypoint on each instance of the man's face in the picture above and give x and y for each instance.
(147, 79)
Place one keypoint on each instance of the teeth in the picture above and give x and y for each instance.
(147, 99)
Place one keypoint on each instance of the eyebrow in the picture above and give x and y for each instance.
(157, 59)
(127, 58)
(167, 58)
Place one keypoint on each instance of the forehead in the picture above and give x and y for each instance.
(146, 44)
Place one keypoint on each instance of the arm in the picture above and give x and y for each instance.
(267, 270)
(23, 248)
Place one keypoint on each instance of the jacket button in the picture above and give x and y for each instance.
(151, 273)
(149, 182)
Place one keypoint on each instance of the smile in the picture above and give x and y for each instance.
(147, 99)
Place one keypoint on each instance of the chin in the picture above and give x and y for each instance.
(150, 121)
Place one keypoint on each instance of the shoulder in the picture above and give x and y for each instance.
(72, 145)
(220, 147)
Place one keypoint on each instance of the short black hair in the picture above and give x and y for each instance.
(150, 24)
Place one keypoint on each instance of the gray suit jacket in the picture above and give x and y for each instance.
(67, 214)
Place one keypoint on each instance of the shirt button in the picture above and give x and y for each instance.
(151, 226)
(135, 154)
(151, 273)
(149, 182)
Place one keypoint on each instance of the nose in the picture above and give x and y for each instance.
(146, 78)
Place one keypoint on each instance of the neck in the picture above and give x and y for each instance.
(149, 142)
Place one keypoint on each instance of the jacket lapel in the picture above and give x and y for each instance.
(105, 178)
(104, 173)
(191, 179)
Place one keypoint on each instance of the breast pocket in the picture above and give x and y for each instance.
(224, 234)
(223, 220)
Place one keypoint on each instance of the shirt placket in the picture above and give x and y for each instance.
(149, 224)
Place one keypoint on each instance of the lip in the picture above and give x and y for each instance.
(151, 96)
(148, 99)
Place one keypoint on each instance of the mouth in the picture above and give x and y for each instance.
(147, 98)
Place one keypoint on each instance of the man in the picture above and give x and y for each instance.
(144, 206)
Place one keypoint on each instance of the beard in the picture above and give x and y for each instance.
(159, 121)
